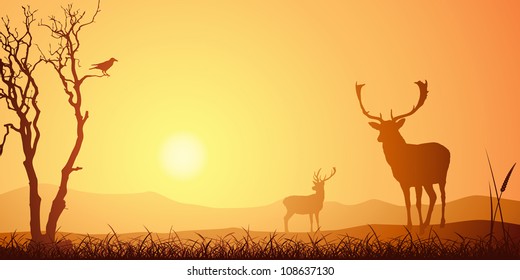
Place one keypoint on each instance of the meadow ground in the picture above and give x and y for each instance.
(461, 240)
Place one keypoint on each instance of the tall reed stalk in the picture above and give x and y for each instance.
(498, 208)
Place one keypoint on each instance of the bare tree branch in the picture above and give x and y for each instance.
(63, 58)
(90, 76)
(20, 91)
(5, 138)
(77, 168)
(16, 74)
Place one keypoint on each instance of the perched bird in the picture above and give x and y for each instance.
(104, 66)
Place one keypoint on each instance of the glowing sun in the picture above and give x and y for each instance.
(183, 156)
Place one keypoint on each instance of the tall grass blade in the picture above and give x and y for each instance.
(502, 190)
(492, 174)
(494, 185)
(491, 218)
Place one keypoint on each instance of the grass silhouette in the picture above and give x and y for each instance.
(274, 246)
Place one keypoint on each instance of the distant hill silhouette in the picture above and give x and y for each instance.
(92, 213)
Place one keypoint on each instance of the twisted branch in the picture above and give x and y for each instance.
(16, 73)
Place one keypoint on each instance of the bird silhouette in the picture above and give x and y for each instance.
(104, 66)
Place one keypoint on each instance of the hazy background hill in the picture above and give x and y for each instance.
(92, 213)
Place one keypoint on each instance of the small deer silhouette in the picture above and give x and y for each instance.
(310, 204)
(416, 166)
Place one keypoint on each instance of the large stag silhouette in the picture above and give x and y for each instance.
(412, 165)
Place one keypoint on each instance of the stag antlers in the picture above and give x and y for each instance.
(423, 93)
(318, 179)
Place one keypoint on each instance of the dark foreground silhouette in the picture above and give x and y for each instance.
(462, 240)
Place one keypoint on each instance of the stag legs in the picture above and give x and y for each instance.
(418, 196)
(290, 214)
(418, 204)
(433, 197)
(317, 215)
(442, 186)
(406, 192)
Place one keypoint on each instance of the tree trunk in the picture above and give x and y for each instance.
(34, 197)
(59, 204)
(34, 200)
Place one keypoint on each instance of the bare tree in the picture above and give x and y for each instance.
(63, 58)
(20, 92)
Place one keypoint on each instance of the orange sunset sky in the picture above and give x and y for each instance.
(237, 103)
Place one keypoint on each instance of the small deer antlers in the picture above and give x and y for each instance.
(318, 179)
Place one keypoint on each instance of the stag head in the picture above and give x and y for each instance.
(389, 129)
(319, 181)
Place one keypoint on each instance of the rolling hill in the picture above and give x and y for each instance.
(93, 213)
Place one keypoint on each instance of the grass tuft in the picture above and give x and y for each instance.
(274, 246)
